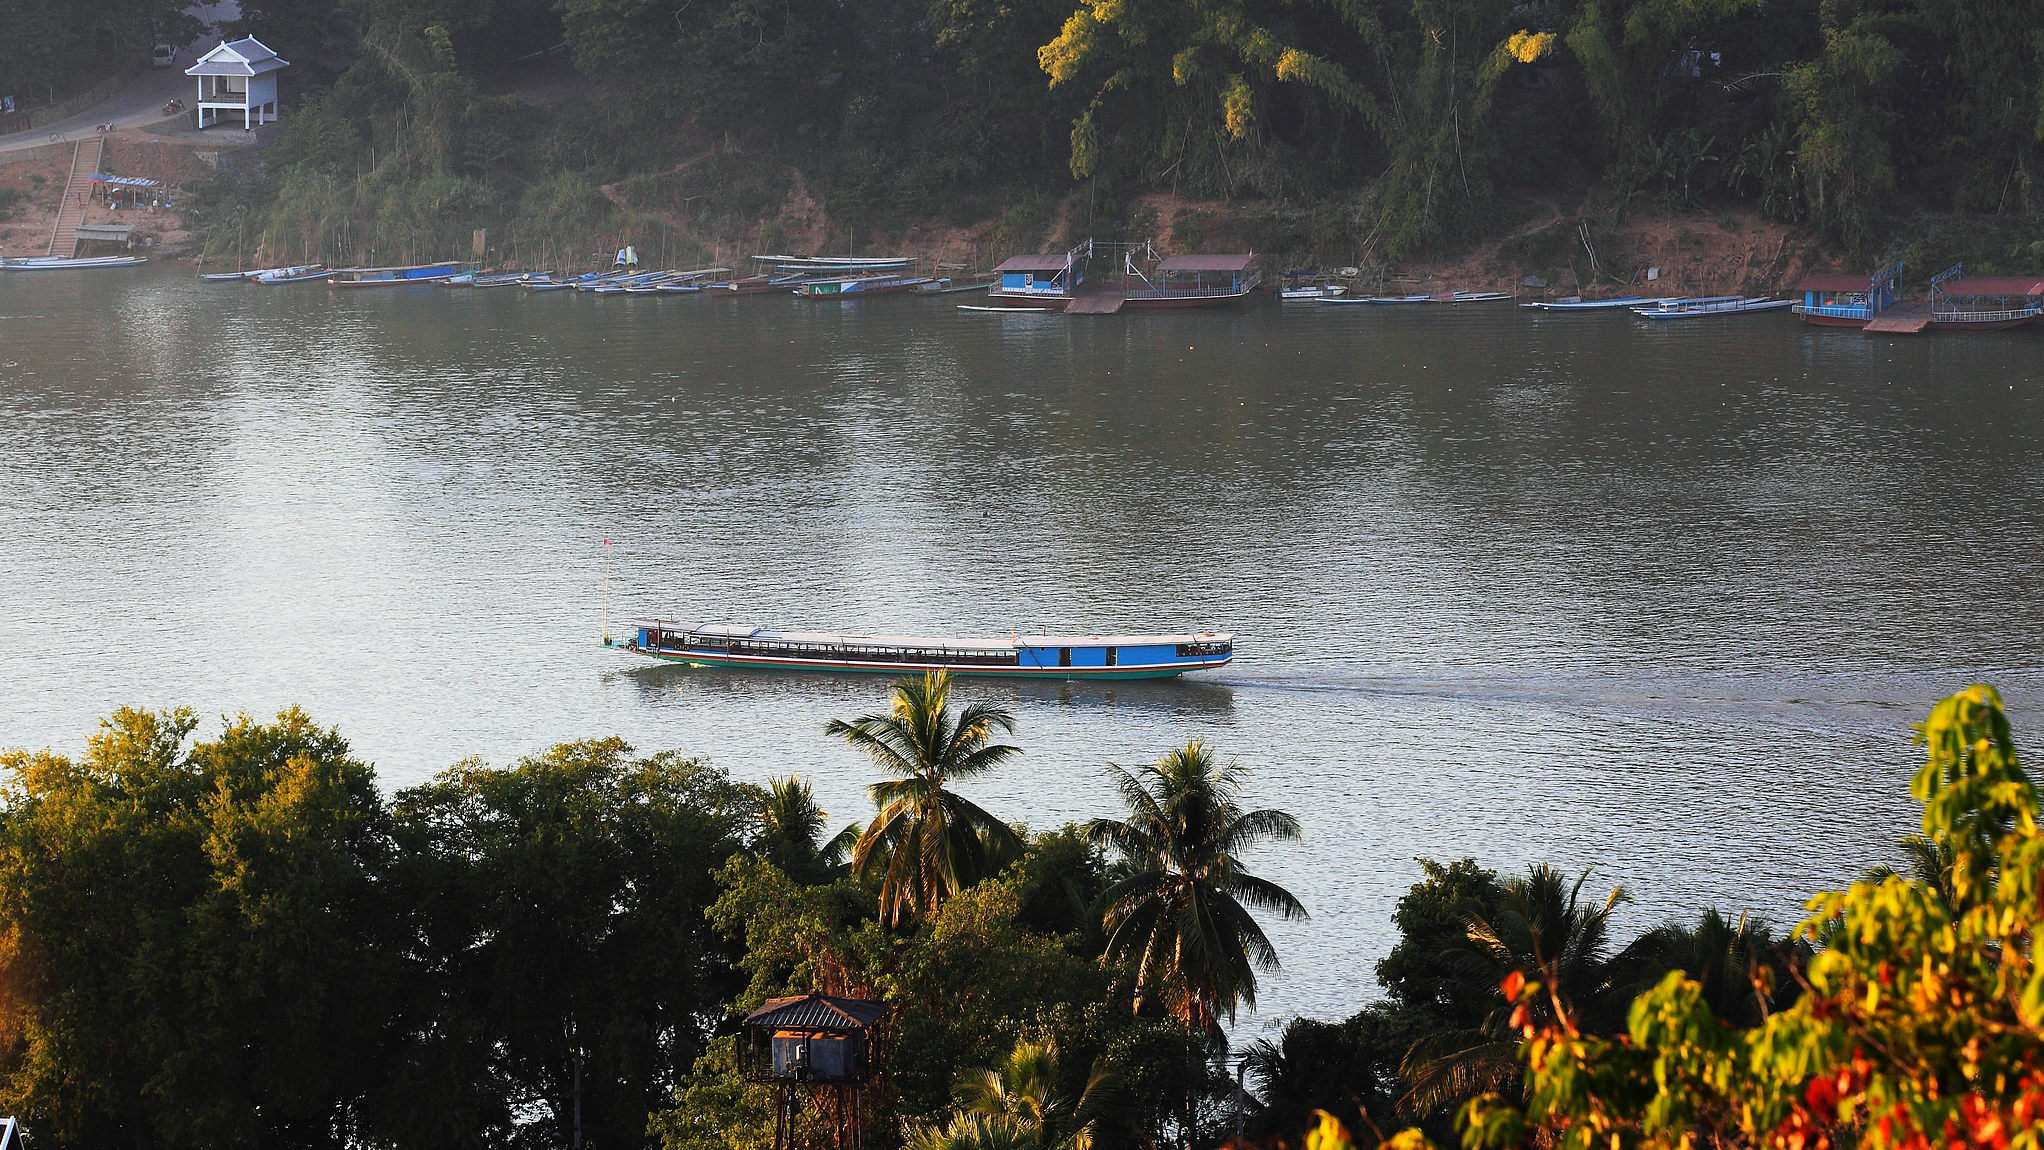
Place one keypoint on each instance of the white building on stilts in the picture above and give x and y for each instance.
(238, 77)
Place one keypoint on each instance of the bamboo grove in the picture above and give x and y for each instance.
(239, 941)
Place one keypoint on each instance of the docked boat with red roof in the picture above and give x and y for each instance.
(1142, 280)
(1841, 300)
(1959, 302)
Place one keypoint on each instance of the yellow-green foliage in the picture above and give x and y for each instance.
(1922, 1023)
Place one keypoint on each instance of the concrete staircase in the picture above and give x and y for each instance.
(71, 211)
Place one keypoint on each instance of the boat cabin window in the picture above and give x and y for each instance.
(1064, 656)
(1113, 655)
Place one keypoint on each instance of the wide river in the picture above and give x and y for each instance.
(1657, 601)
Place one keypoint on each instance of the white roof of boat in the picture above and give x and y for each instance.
(1000, 643)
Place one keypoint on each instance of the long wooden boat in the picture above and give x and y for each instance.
(723, 645)
(836, 265)
(232, 277)
(1435, 297)
(1312, 291)
(301, 274)
(830, 289)
(1628, 301)
(68, 263)
(503, 279)
(1705, 306)
(754, 285)
(393, 276)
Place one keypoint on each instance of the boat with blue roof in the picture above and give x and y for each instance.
(747, 648)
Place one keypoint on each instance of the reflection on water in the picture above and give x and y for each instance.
(1188, 698)
(1660, 602)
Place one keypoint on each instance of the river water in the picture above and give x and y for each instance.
(1658, 602)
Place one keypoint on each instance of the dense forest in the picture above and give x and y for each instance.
(1381, 129)
(241, 942)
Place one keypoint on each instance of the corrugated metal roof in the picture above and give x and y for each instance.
(814, 1011)
(1833, 282)
(1214, 263)
(1994, 285)
(1032, 264)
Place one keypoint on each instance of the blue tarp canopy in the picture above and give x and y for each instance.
(124, 181)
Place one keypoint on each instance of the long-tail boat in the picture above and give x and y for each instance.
(730, 647)
(392, 276)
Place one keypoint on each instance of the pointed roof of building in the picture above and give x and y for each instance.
(815, 1011)
(247, 56)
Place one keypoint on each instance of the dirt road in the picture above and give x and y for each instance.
(141, 102)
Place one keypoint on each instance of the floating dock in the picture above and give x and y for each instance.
(1910, 318)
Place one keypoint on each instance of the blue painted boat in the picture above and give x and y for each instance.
(730, 647)
(393, 277)
(1715, 305)
(1613, 304)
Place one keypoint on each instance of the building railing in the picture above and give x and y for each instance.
(1964, 315)
(1832, 310)
(1179, 291)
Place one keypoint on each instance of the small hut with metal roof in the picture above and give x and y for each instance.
(823, 1045)
(238, 76)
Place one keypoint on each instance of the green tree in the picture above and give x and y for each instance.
(193, 952)
(1922, 1023)
(927, 842)
(1625, 48)
(1541, 921)
(963, 985)
(569, 967)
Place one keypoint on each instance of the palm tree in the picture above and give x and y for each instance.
(1015, 1106)
(1179, 923)
(1926, 860)
(791, 826)
(1543, 928)
(928, 842)
(1745, 972)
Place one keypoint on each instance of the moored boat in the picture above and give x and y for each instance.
(1295, 292)
(1831, 300)
(68, 263)
(1046, 283)
(1575, 303)
(860, 286)
(729, 647)
(392, 276)
(304, 272)
(1429, 297)
(1192, 281)
(754, 285)
(1703, 306)
(1959, 302)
